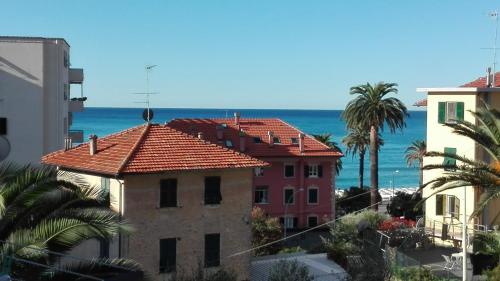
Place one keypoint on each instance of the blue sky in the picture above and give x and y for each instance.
(261, 54)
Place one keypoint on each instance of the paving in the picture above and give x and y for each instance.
(320, 267)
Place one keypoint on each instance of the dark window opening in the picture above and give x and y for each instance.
(312, 221)
(212, 190)
(295, 140)
(257, 140)
(168, 193)
(168, 254)
(289, 171)
(261, 194)
(212, 250)
(313, 196)
(289, 197)
(276, 140)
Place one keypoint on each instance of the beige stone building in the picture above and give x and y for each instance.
(189, 200)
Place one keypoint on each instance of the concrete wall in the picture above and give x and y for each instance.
(32, 78)
(190, 221)
(274, 177)
(439, 137)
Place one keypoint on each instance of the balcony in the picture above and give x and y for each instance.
(75, 105)
(76, 136)
(76, 75)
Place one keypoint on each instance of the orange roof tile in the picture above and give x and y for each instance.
(481, 82)
(150, 149)
(255, 128)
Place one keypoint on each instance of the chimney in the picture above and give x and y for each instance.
(92, 144)
(242, 141)
(68, 143)
(488, 77)
(301, 142)
(237, 118)
(220, 132)
(200, 135)
(270, 136)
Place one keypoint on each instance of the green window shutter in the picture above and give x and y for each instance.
(439, 204)
(457, 208)
(448, 161)
(460, 111)
(441, 112)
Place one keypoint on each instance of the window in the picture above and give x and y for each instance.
(450, 112)
(66, 59)
(212, 190)
(440, 204)
(168, 253)
(229, 143)
(257, 140)
(66, 91)
(312, 221)
(105, 182)
(212, 250)
(288, 194)
(261, 195)
(312, 195)
(313, 171)
(450, 162)
(453, 206)
(103, 248)
(259, 172)
(276, 140)
(295, 140)
(168, 193)
(289, 170)
(289, 222)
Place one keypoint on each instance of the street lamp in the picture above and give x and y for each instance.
(286, 209)
(393, 183)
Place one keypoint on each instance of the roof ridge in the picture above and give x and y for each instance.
(307, 135)
(134, 147)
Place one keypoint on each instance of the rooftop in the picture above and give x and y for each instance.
(284, 143)
(31, 39)
(149, 148)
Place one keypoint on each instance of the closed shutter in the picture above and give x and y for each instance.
(168, 193)
(449, 161)
(320, 171)
(439, 204)
(460, 111)
(441, 112)
(457, 208)
(212, 250)
(168, 254)
(306, 171)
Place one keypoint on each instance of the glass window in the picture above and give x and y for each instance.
(289, 170)
(168, 193)
(289, 222)
(313, 171)
(212, 250)
(261, 194)
(288, 196)
(312, 196)
(257, 140)
(229, 143)
(295, 140)
(212, 191)
(259, 172)
(168, 253)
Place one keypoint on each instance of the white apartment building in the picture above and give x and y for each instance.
(35, 101)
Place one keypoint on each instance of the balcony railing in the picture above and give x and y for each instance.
(75, 105)
(76, 136)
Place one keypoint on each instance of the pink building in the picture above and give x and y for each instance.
(299, 186)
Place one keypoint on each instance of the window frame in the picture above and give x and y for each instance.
(259, 172)
(265, 190)
(165, 203)
(308, 195)
(276, 140)
(285, 203)
(286, 219)
(313, 171)
(164, 266)
(209, 260)
(285, 169)
(452, 167)
(294, 140)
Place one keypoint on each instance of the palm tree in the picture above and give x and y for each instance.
(326, 139)
(471, 172)
(415, 153)
(357, 141)
(44, 213)
(371, 109)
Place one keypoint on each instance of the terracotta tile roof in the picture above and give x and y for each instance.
(150, 149)
(481, 82)
(255, 128)
(421, 103)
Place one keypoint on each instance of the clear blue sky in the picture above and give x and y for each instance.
(261, 54)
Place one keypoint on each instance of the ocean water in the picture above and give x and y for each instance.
(104, 121)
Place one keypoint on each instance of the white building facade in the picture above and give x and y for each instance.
(35, 101)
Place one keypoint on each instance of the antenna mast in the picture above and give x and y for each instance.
(495, 15)
(149, 68)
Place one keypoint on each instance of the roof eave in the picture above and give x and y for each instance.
(458, 90)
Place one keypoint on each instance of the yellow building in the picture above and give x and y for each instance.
(444, 105)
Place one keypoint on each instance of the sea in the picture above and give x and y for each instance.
(393, 170)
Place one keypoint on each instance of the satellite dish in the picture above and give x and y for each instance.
(147, 114)
(4, 148)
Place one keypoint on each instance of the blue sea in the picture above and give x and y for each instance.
(104, 121)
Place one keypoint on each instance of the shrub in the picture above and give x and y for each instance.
(487, 243)
(415, 274)
(403, 205)
(346, 205)
(289, 271)
(199, 274)
(291, 250)
(265, 230)
(494, 274)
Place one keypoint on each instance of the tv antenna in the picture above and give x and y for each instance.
(494, 15)
(147, 114)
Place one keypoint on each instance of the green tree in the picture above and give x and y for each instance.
(357, 141)
(371, 110)
(43, 211)
(484, 174)
(415, 154)
(327, 139)
(265, 230)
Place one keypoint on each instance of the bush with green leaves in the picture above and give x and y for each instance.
(354, 199)
(265, 230)
(291, 250)
(494, 274)
(202, 274)
(403, 205)
(286, 270)
(414, 274)
(487, 243)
